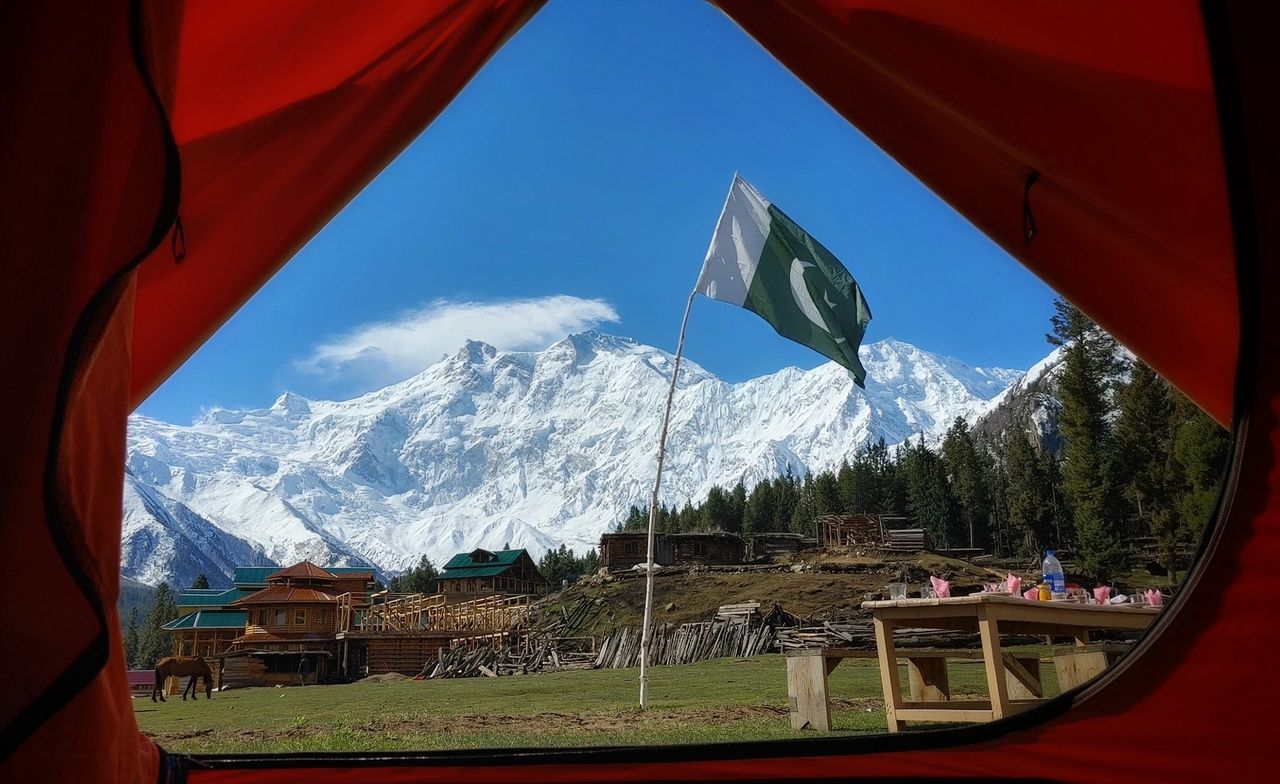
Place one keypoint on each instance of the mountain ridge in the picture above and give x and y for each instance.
(489, 447)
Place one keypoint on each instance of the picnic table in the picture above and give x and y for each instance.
(990, 615)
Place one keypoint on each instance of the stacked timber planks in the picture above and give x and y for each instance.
(542, 656)
(685, 644)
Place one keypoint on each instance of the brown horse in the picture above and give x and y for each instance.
(180, 666)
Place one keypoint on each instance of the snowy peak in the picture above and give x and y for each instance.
(489, 447)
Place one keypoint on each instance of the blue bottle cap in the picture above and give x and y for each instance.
(1048, 553)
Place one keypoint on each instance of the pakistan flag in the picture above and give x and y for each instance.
(761, 260)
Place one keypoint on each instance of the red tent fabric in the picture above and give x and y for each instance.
(1121, 151)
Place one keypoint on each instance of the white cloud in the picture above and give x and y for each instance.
(383, 352)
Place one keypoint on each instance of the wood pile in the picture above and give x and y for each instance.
(685, 644)
(779, 618)
(473, 662)
(745, 612)
(904, 540)
(561, 622)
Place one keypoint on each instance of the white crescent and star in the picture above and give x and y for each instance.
(804, 300)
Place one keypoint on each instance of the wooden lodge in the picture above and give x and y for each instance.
(294, 616)
(625, 549)
(258, 633)
(705, 548)
(485, 573)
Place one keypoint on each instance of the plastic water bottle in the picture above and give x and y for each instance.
(1051, 573)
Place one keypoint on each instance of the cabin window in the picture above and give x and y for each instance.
(631, 548)
(700, 549)
(299, 617)
(281, 618)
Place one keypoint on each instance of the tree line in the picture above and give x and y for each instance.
(1137, 459)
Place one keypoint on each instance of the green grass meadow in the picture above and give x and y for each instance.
(713, 701)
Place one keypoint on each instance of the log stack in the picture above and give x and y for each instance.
(685, 644)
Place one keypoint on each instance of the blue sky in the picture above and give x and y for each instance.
(575, 183)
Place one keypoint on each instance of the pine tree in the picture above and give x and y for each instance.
(201, 581)
(155, 642)
(826, 494)
(688, 519)
(637, 519)
(737, 507)
(1083, 387)
(929, 495)
(1027, 496)
(590, 563)
(967, 470)
(803, 513)
(761, 510)
(847, 488)
(1200, 448)
(786, 493)
(420, 579)
(892, 482)
(717, 511)
(1143, 431)
(132, 640)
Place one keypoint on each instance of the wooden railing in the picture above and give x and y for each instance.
(386, 612)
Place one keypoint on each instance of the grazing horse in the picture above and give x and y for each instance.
(179, 666)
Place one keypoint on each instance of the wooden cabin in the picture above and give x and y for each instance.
(770, 545)
(485, 573)
(625, 549)
(706, 548)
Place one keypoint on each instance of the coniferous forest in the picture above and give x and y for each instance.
(1134, 459)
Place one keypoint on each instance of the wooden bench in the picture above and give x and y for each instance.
(1079, 664)
(807, 670)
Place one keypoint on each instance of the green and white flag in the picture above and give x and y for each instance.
(761, 260)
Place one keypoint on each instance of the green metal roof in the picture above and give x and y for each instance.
(208, 619)
(210, 597)
(503, 558)
(454, 573)
(257, 575)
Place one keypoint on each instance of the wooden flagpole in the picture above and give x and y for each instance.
(645, 632)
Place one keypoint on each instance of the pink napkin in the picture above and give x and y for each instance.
(1102, 594)
(941, 588)
(1013, 584)
(1031, 594)
(1155, 598)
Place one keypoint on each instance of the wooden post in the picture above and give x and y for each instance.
(888, 672)
(646, 628)
(807, 693)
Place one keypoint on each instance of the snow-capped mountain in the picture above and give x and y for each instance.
(1029, 405)
(488, 447)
